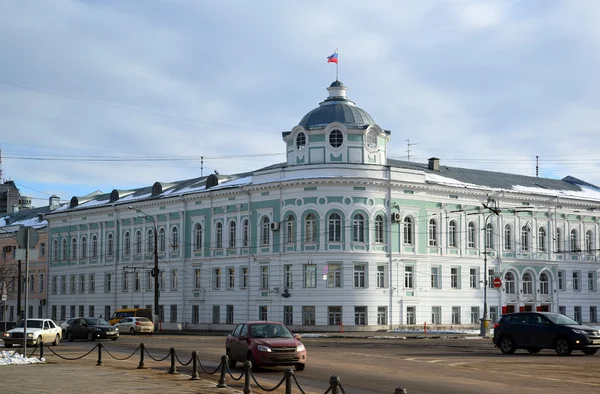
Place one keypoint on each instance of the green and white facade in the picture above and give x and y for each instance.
(339, 234)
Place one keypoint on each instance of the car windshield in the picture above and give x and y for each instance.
(96, 322)
(30, 324)
(269, 331)
(557, 318)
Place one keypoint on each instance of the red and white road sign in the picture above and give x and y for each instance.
(497, 282)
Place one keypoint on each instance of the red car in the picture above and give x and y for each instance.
(265, 344)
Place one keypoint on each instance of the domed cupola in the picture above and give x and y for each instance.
(336, 132)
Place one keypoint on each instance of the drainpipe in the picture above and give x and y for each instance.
(249, 254)
(389, 242)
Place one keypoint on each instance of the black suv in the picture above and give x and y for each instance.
(535, 331)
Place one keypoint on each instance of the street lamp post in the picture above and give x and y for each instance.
(484, 326)
(155, 271)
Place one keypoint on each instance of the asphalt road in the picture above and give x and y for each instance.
(369, 365)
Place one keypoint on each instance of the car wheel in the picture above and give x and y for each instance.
(90, 336)
(113, 339)
(507, 345)
(589, 352)
(56, 340)
(132, 331)
(533, 350)
(300, 367)
(230, 361)
(69, 336)
(562, 347)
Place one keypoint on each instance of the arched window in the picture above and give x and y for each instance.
(544, 284)
(64, 254)
(527, 283)
(589, 242)
(74, 248)
(55, 250)
(509, 283)
(408, 230)
(84, 247)
(174, 238)
(246, 234)
(162, 239)
(508, 244)
(94, 246)
(525, 234)
(574, 242)
(138, 242)
(290, 229)
(232, 233)
(489, 236)
(432, 234)
(559, 240)
(541, 239)
(198, 236)
(265, 234)
(127, 240)
(150, 241)
(379, 238)
(452, 234)
(334, 228)
(358, 228)
(110, 247)
(219, 235)
(471, 235)
(310, 228)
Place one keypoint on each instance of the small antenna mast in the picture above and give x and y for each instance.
(537, 166)
(408, 145)
(1, 179)
(201, 166)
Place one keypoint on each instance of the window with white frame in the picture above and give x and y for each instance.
(435, 277)
(541, 241)
(41, 282)
(474, 314)
(411, 315)
(509, 283)
(310, 275)
(54, 284)
(525, 236)
(455, 277)
(232, 234)
(174, 244)
(290, 229)
(544, 284)
(408, 229)
(577, 314)
(589, 242)
(489, 236)
(265, 235)
(473, 278)
(110, 250)
(137, 281)
(244, 278)
(198, 236)
(334, 275)
(216, 278)
(561, 280)
(334, 315)
(508, 237)
(197, 278)
(308, 315)
(216, 314)
(219, 235)
(360, 271)
(379, 227)
(84, 247)
(174, 279)
(73, 284)
(358, 228)
(576, 280)
(150, 241)
(591, 280)
(494, 314)
(263, 312)
(558, 240)
(138, 242)
(436, 315)
(334, 228)
(452, 234)
(195, 314)
(74, 248)
(264, 277)
(562, 310)
(471, 235)
(527, 283)
(229, 314)
(432, 232)
(125, 282)
(409, 279)
(245, 233)
(64, 250)
(593, 314)
(162, 240)
(456, 315)
(574, 242)
(161, 280)
(149, 281)
(230, 278)
(107, 282)
(381, 277)
(127, 242)
(55, 250)
(360, 315)
(81, 283)
(94, 246)
(310, 228)
(288, 279)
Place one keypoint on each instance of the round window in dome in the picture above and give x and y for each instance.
(301, 141)
(336, 138)
(371, 140)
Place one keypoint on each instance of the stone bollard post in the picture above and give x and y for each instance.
(334, 383)
(288, 380)
(194, 366)
(173, 369)
(142, 351)
(247, 371)
(400, 390)
(222, 383)
(99, 363)
(41, 350)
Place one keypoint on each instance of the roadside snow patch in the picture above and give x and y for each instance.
(9, 357)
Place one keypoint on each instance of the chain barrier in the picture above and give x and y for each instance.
(300, 388)
(34, 350)
(204, 369)
(264, 389)
(328, 390)
(341, 387)
(68, 358)
(233, 377)
(156, 359)
(179, 361)
(122, 359)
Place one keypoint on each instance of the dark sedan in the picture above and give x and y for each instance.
(91, 328)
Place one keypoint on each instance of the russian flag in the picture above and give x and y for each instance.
(333, 58)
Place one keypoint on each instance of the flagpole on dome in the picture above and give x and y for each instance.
(334, 59)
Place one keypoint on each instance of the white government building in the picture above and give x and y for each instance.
(338, 234)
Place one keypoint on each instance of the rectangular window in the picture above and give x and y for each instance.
(107, 283)
(125, 286)
(494, 314)
(455, 277)
(490, 278)
(197, 279)
(411, 315)
(310, 275)
(593, 314)
(382, 315)
(436, 315)
(92, 282)
(561, 280)
(137, 281)
(216, 278)
(244, 279)
(173, 317)
(334, 275)
(149, 281)
(288, 279)
(81, 310)
(264, 277)
(42, 249)
(230, 278)
(577, 314)
(409, 277)
(161, 313)
(591, 281)
(288, 315)
(435, 277)
(53, 315)
(81, 284)
(576, 279)
(262, 312)
(73, 287)
(54, 284)
(41, 282)
(456, 315)
(161, 281)
(72, 311)
(308, 315)
(107, 311)
(359, 275)
(473, 278)
(562, 310)
(334, 315)
(381, 282)
(91, 309)
(360, 315)
(174, 280)
(40, 311)
(195, 314)
(229, 314)
(474, 314)
(63, 312)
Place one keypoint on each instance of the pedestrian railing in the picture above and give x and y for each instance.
(289, 378)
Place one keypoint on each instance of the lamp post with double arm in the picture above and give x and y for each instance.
(485, 321)
(155, 271)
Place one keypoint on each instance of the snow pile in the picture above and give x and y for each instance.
(8, 357)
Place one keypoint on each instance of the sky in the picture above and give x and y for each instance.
(119, 94)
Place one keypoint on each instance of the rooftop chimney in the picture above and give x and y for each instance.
(15, 209)
(54, 202)
(434, 164)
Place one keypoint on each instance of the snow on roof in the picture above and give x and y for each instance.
(586, 192)
(442, 180)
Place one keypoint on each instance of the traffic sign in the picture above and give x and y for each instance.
(23, 234)
(497, 282)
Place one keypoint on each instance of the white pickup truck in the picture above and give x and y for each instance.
(38, 330)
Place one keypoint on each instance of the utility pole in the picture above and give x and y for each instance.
(408, 145)
(485, 321)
